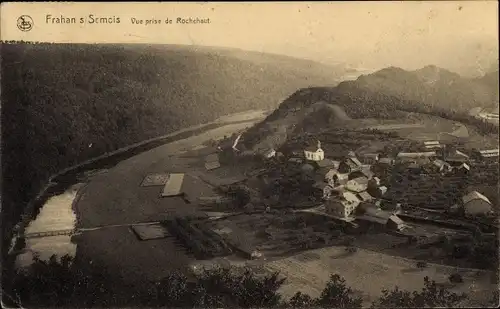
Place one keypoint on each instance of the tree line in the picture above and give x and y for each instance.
(60, 283)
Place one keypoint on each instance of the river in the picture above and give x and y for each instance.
(55, 206)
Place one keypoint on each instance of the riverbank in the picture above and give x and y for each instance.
(61, 181)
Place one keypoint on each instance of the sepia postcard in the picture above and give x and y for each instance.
(250, 154)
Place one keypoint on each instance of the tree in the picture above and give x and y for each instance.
(430, 296)
(338, 295)
(300, 300)
(172, 291)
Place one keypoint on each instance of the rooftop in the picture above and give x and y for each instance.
(474, 195)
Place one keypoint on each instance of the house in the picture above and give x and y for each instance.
(314, 152)
(364, 196)
(475, 203)
(441, 166)
(329, 176)
(456, 157)
(340, 179)
(349, 165)
(377, 192)
(323, 190)
(464, 168)
(370, 158)
(357, 185)
(342, 206)
(432, 144)
(363, 172)
(395, 223)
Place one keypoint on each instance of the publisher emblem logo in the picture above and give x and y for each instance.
(25, 23)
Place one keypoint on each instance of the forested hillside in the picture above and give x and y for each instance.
(389, 92)
(62, 104)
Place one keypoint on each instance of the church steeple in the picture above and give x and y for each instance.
(319, 144)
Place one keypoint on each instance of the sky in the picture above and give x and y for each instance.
(457, 35)
(374, 34)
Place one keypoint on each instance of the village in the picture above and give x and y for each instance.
(270, 203)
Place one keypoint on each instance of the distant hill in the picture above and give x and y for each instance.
(430, 85)
(65, 103)
(391, 92)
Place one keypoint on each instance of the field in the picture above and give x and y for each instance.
(63, 104)
(281, 234)
(369, 272)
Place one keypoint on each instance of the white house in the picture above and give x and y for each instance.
(314, 152)
(344, 206)
(475, 203)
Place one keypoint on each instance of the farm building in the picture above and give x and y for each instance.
(343, 206)
(491, 154)
(475, 203)
(313, 152)
(323, 190)
(432, 144)
(349, 165)
(425, 154)
(357, 185)
(395, 223)
(440, 166)
(173, 187)
(456, 157)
